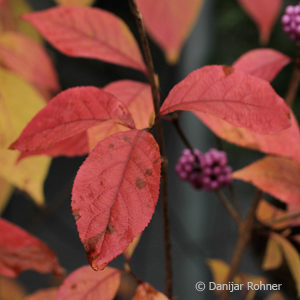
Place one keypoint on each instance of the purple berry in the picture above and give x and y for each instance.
(207, 171)
(291, 21)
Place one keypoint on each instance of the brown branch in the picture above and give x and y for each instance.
(230, 209)
(295, 81)
(160, 139)
(245, 232)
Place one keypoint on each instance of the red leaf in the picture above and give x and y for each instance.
(137, 97)
(115, 193)
(70, 114)
(45, 294)
(84, 283)
(170, 22)
(76, 145)
(277, 176)
(264, 13)
(262, 63)
(88, 32)
(240, 99)
(21, 54)
(285, 142)
(20, 251)
(146, 291)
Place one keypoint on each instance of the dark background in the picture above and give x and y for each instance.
(201, 228)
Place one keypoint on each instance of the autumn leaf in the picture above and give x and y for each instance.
(273, 256)
(20, 54)
(137, 97)
(276, 296)
(146, 291)
(19, 102)
(262, 63)
(220, 270)
(264, 13)
(84, 283)
(100, 132)
(27, 175)
(266, 213)
(170, 22)
(75, 2)
(115, 193)
(291, 256)
(20, 251)
(277, 176)
(70, 114)
(5, 191)
(10, 19)
(284, 143)
(11, 289)
(131, 248)
(90, 33)
(45, 294)
(238, 98)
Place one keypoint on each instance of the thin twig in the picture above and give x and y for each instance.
(230, 209)
(244, 237)
(181, 134)
(295, 81)
(161, 143)
(235, 201)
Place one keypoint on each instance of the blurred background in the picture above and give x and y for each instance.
(200, 226)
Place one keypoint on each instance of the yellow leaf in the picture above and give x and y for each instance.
(27, 175)
(130, 249)
(291, 256)
(16, 9)
(11, 289)
(5, 190)
(19, 102)
(276, 296)
(220, 270)
(75, 2)
(273, 256)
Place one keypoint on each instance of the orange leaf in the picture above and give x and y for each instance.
(88, 32)
(264, 13)
(45, 294)
(11, 289)
(115, 193)
(137, 97)
(238, 98)
(170, 22)
(146, 291)
(84, 283)
(277, 176)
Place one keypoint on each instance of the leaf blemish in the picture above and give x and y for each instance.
(111, 146)
(127, 139)
(228, 70)
(110, 229)
(148, 172)
(140, 183)
(76, 214)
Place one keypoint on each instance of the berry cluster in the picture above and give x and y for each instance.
(208, 171)
(291, 22)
